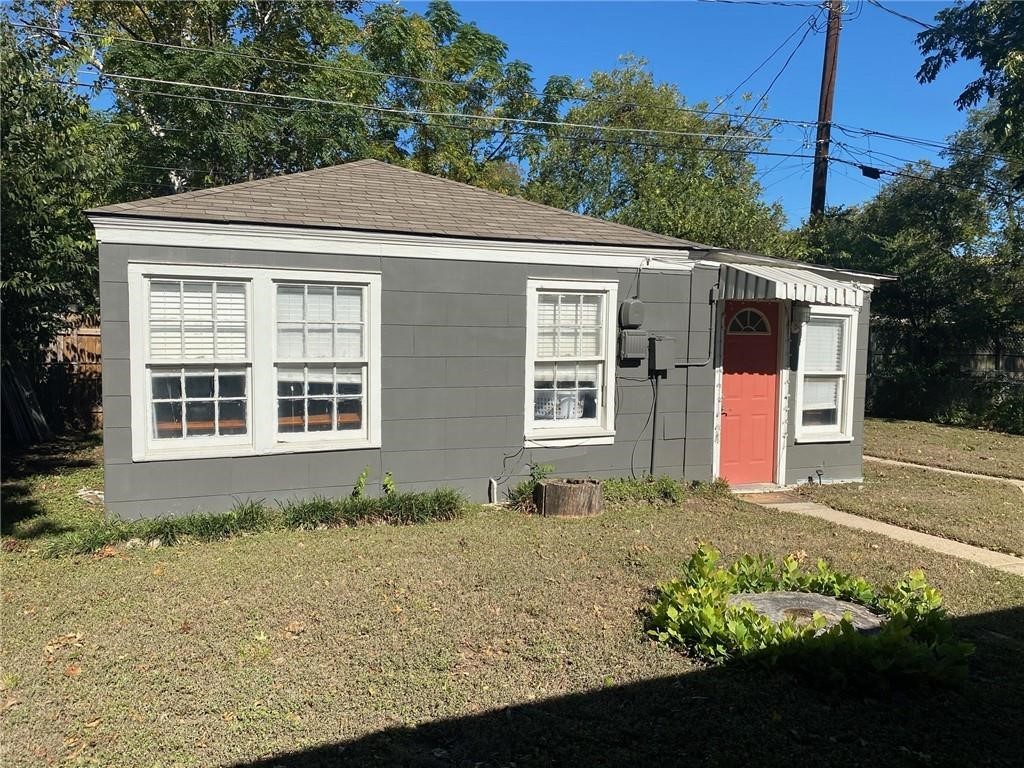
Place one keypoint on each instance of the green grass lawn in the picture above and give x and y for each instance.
(494, 640)
(969, 450)
(987, 513)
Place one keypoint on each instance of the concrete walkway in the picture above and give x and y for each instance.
(943, 470)
(996, 560)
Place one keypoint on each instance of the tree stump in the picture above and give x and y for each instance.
(568, 498)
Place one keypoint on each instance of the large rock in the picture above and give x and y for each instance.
(801, 607)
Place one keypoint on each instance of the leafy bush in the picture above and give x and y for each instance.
(251, 516)
(388, 484)
(717, 488)
(520, 496)
(915, 644)
(650, 490)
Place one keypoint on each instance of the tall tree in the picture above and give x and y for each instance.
(55, 161)
(952, 238)
(991, 33)
(692, 179)
(460, 109)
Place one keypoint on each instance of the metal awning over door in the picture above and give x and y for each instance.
(756, 281)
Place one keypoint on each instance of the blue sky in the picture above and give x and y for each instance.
(707, 48)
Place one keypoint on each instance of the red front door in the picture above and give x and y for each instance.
(750, 363)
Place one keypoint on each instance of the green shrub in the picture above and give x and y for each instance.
(520, 496)
(915, 644)
(317, 512)
(650, 490)
(388, 484)
(715, 489)
(88, 540)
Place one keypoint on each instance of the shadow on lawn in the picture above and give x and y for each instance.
(727, 716)
(18, 500)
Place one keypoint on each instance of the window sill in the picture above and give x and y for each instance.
(824, 437)
(568, 438)
(239, 452)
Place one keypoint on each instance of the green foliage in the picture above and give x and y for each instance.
(914, 645)
(396, 508)
(253, 516)
(674, 185)
(717, 488)
(520, 496)
(388, 484)
(954, 239)
(54, 163)
(990, 33)
(359, 489)
(649, 490)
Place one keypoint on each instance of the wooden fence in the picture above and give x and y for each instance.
(71, 393)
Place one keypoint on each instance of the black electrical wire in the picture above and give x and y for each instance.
(643, 429)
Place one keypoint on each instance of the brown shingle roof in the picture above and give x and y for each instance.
(373, 196)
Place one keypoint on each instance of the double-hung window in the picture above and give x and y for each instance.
(570, 365)
(232, 361)
(825, 375)
(321, 360)
(198, 367)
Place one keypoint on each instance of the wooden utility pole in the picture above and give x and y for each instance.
(828, 89)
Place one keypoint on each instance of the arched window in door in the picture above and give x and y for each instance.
(749, 322)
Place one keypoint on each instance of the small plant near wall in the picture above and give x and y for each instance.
(388, 484)
(700, 613)
(520, 496)
(359, 489)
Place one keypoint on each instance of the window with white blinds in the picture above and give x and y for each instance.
(197, 365)
(230, 361)
(321, 360)
(570, 343)
(826, 375)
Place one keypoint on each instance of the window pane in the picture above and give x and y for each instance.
(547, 309)
(319, 415)
(821, 400)
(823, 344)
(320, 381)
(167, 386)
(198, 341)
(289, 303)
(567, 344)
(348, 305)
(569, 310)
(232, 417)
(350, 413)
(290, 382)
(590, 343)
(290, 415)
(350, 382)
(318, 340)
(230, 320)
(319, 304)
(590, 310)
(588, 375)
(199, 417)
(289, 341)
(197, 302)
(231, 385)
(199, 385)
(167, 420)
(543, 392)
(545, 343)
(588, 403)
(349, 345)
(164, 342)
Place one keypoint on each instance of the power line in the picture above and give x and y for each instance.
(903, 16)
(676, 108)
(810, 26)
(430, 113)
(760, 66)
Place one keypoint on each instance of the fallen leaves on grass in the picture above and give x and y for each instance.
(9, 703)
(295, 628)
(73, 670)
(59, 643)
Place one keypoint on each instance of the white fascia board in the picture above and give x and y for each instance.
(196, 234)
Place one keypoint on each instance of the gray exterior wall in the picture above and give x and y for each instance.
(453, 368)
(837, 461)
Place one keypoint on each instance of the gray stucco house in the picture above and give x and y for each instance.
(271, 339)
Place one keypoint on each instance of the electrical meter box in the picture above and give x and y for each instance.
(632, 345)
(661, 354)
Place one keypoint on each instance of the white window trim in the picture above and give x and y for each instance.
(844, 432)
(541, 435)
(262, 438)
